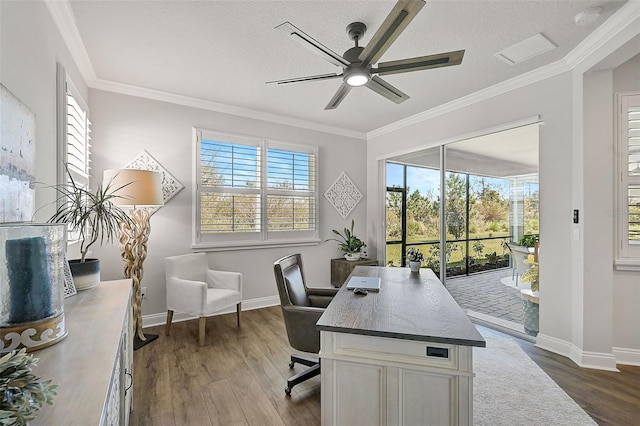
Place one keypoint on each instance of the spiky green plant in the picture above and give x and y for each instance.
(92, 214)
(22, 394)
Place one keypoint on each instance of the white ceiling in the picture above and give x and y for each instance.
(225, 51)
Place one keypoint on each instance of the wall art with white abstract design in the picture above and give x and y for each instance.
(17, 159)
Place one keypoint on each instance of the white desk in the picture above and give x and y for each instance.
(402, 356)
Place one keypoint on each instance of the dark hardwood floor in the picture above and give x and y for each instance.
(238, 378)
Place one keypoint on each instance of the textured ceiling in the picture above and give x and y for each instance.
(225, 51)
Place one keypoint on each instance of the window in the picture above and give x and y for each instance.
(252, 192)
(628, 214)
(74, 136)
(78, 140)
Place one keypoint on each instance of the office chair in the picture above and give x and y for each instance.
(302, 307)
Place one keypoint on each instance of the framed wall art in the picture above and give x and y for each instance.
(17, 159)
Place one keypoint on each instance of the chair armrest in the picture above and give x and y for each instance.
(322, 291)
(321, 296)
(186, 295)
(224, 279)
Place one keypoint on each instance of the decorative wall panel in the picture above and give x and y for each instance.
(343, 195)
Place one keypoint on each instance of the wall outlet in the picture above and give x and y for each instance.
(143, 290)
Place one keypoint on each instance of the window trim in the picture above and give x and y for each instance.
(64, 89)
(627, 255)
(265, 238)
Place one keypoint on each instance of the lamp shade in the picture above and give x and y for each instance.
(134, 187)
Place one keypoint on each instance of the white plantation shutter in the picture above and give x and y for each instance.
(73, 137)
(253, 192)
(291, 190)
(78, 139)
(628, 214)
(229, 187)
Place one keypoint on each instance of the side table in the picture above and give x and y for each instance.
(341, 268)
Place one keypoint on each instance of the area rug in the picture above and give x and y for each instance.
(510, 389)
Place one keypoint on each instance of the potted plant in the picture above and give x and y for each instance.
(529, 240)
(23, 394)
(94, 217)
(416, 258)
(530, 299)
(350, 245)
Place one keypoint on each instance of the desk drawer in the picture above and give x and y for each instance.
(396, 351)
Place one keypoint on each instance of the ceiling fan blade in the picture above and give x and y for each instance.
(400, 16)
(383, 88)
(313, 45)
(339, 96)
(302, 79)
(420, 63)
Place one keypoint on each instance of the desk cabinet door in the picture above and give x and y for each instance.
(424, 398)
(360, 394)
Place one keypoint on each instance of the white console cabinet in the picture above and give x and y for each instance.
(93, 365)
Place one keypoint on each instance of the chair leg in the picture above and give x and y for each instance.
(168, 325)
(310, 372)
(203, 323)
(238, 309)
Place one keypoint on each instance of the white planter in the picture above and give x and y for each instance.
(415, 266)
(353, 256)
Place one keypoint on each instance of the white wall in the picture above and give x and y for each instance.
(596, 243)
(626, 285)
(124, 125)
(551, 99)
(587, 311)
(30, 46)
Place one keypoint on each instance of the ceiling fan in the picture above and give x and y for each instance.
(357, 62)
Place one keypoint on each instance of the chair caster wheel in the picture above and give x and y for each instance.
(291, 365)
(287, 390)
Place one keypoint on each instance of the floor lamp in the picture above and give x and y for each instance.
(141, 192)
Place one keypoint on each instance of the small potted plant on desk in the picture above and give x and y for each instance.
(350, 245)
(415, 257)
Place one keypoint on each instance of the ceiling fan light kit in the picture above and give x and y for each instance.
(357, 62)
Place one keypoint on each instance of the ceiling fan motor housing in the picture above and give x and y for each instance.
(356, 31)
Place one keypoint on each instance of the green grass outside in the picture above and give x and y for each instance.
(393, 251)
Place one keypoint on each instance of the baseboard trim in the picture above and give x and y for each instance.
(247, 305)
(596, 360)
(585, 359)
(553, 344)
(627, 356)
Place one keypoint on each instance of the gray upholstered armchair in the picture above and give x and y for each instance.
(302, 306)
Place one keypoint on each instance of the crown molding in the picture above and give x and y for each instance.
(618, 22)
(514, 83)
(65, 21)
(158, 95)
(63, 17)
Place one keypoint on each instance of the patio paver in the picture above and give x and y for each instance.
(484, 293)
